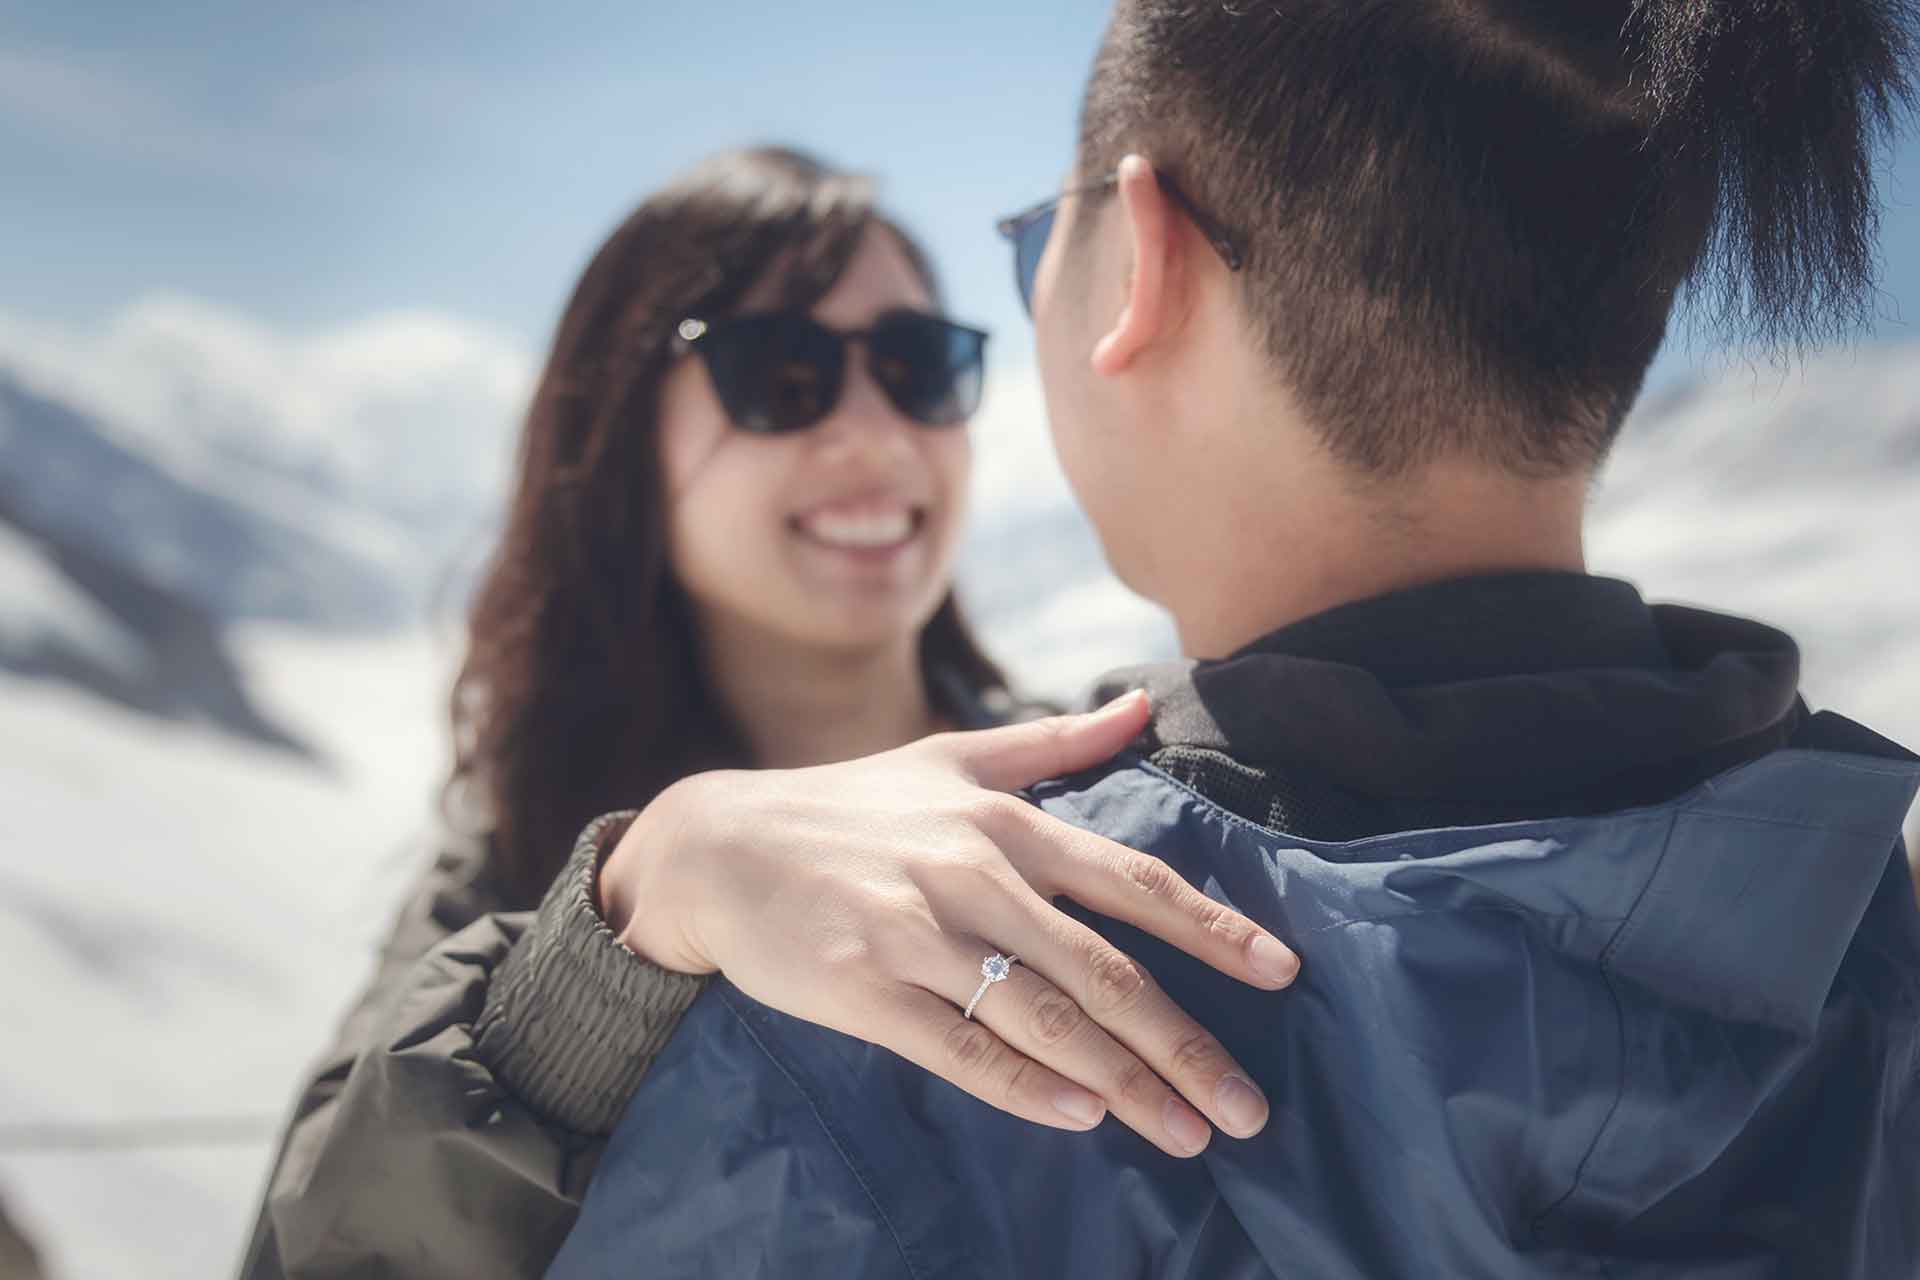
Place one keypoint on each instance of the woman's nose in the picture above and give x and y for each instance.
(865, 418)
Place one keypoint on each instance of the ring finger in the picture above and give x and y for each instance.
(1036, 1018)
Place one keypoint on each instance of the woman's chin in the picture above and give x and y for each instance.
(861, 619)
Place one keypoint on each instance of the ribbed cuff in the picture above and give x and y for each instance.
(574, 1019)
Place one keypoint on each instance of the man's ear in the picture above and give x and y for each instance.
(1148, 310)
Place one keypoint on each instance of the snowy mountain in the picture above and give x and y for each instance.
(183, 914)
(405, 419)
(121, 567)
(242, 536)
(124, 553)
(74, 614)
(182, 917)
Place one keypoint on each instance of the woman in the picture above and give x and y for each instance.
(739, 493)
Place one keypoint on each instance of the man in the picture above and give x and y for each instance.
(1610, 956)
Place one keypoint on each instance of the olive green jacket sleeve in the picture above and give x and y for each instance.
(452, 1127)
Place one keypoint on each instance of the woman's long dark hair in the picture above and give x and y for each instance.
(582, 690)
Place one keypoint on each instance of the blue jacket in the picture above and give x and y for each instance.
(1671, 1038)
(1680, 1041)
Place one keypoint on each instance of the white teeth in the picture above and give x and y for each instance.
(860, 532)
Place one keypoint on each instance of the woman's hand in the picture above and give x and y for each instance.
(863, 896)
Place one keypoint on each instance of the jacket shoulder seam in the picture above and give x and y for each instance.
(1605, 968)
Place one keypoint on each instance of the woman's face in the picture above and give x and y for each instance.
(839, 536)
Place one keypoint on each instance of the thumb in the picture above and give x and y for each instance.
(1020, 755)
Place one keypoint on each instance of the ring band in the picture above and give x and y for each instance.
(995, 968)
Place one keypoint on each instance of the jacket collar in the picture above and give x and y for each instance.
(1525, 684)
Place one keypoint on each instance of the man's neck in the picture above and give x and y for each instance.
(801, 706)
(1264, 559)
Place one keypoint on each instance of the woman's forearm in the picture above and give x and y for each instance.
(421, 1162)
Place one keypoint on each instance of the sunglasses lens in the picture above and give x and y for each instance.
(774, 372)
(931, 369)
(1028, 247)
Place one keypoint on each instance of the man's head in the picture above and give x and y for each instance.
(1462, 225)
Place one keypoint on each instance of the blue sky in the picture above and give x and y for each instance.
(310, 165)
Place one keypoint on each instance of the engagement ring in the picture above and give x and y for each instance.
(994, 968)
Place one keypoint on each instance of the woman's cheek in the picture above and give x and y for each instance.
(719, 516)
(954, 464)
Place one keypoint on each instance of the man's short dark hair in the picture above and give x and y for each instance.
(1466, 222)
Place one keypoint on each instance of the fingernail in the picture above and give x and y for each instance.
(1125, 700)
(1187, 1127)
(1241, 1106)
(1080, 1107)
(1274, 962)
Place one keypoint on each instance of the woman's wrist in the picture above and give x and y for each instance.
(633, 889)
(573, 1019)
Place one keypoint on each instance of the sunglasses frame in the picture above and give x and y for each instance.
(1014, 226)
(689, 333)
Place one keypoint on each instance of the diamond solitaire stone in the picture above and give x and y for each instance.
(994, 968)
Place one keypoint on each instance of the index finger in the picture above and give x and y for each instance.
(1018, 755)
(1146, 892)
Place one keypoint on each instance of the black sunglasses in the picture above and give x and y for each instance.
(781, 371)
(1029, 230)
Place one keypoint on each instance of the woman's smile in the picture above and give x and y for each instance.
(870, 535)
